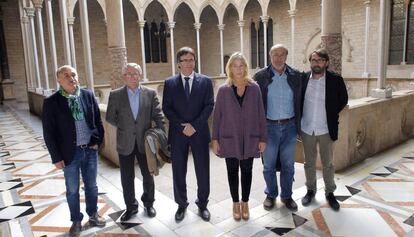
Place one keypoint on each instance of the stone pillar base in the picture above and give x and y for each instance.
(366, 75)
(39, 91)
(382, 93)
(411, 85)
(47, 92)
(7, 90)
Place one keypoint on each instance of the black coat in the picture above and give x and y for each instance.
(59, 129)
(336, 98)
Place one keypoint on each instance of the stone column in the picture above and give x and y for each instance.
(144, 64)
(221, 29)
(264, 19)
(38, 4)
(84, 19)
(30, 13)
(331, 35)
(65, 34)
(292, 14)
(367, 3)
(171, 25)
(407, 15)
(49, 16)
(241, 25)
(197, 27)
(116, 40)
(26, 48)
(6, 83)
(71, 21)
(381, 91)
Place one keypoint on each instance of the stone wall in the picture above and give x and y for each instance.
(307, 37)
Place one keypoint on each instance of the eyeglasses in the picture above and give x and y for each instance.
(187, 60)
(320, 60)
(131, 74)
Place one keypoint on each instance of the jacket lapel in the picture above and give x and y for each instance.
(195, 86)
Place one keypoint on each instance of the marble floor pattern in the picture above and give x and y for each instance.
(376, 196)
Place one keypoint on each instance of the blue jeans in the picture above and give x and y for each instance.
(85, 161)
(281, 144)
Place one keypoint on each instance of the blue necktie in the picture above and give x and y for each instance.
(187, 87)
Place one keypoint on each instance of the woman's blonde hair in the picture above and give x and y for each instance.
(230, 76)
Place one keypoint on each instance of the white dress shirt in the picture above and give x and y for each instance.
(190, 81)
(314, 112)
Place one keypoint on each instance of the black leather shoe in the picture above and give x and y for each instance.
(204, 213)
(307, 199)
(150, 211)
(290, 204)
(128, 214)
(179, 215)
(75, 229)
(333, 203)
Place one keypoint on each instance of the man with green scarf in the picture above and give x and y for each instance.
(73, 131)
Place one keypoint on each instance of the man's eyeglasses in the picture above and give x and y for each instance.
(131, 74)
(187, 60)
(320, 60)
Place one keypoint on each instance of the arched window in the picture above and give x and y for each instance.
(147, 44)
(163, 42)
(155, 48)
(410, 34)
(253, 44)
(401, 47)
(261, 44)
(269, 38)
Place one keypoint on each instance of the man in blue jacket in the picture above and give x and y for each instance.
(281, 91)
(73, 131)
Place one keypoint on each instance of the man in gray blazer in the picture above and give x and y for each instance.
(131, 109)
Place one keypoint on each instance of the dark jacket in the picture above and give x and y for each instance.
(59, 129)
(196, 110)
(336, 98)
(294, 79)
(239, 129)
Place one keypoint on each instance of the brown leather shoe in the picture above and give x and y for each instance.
(236, 211)
(245, 210)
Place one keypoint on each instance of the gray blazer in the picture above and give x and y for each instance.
(130, 130)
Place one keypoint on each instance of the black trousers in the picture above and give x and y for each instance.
(246, 167)
(201, 158)
(127, 167)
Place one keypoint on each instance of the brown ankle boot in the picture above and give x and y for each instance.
(236, 211)
(245, 210)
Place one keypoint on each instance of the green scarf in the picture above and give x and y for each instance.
(73, 102)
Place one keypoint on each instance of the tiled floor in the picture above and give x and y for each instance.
(377, 196)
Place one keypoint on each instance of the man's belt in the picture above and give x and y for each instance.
(280, 121)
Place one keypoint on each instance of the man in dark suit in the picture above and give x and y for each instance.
(324, 96)
(72, 129)
(188, 101)
(131, 109)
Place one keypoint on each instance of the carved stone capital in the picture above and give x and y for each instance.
(240, 23)
(197, 26)
(171, 24)
(71, 20)
(118, 60)
(221, 27)
(264, 19)
(141, 24)
(333, 44)
(30, 11)
(38, 3)
(292, 13)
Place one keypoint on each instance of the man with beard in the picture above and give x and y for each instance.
(324, 96)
